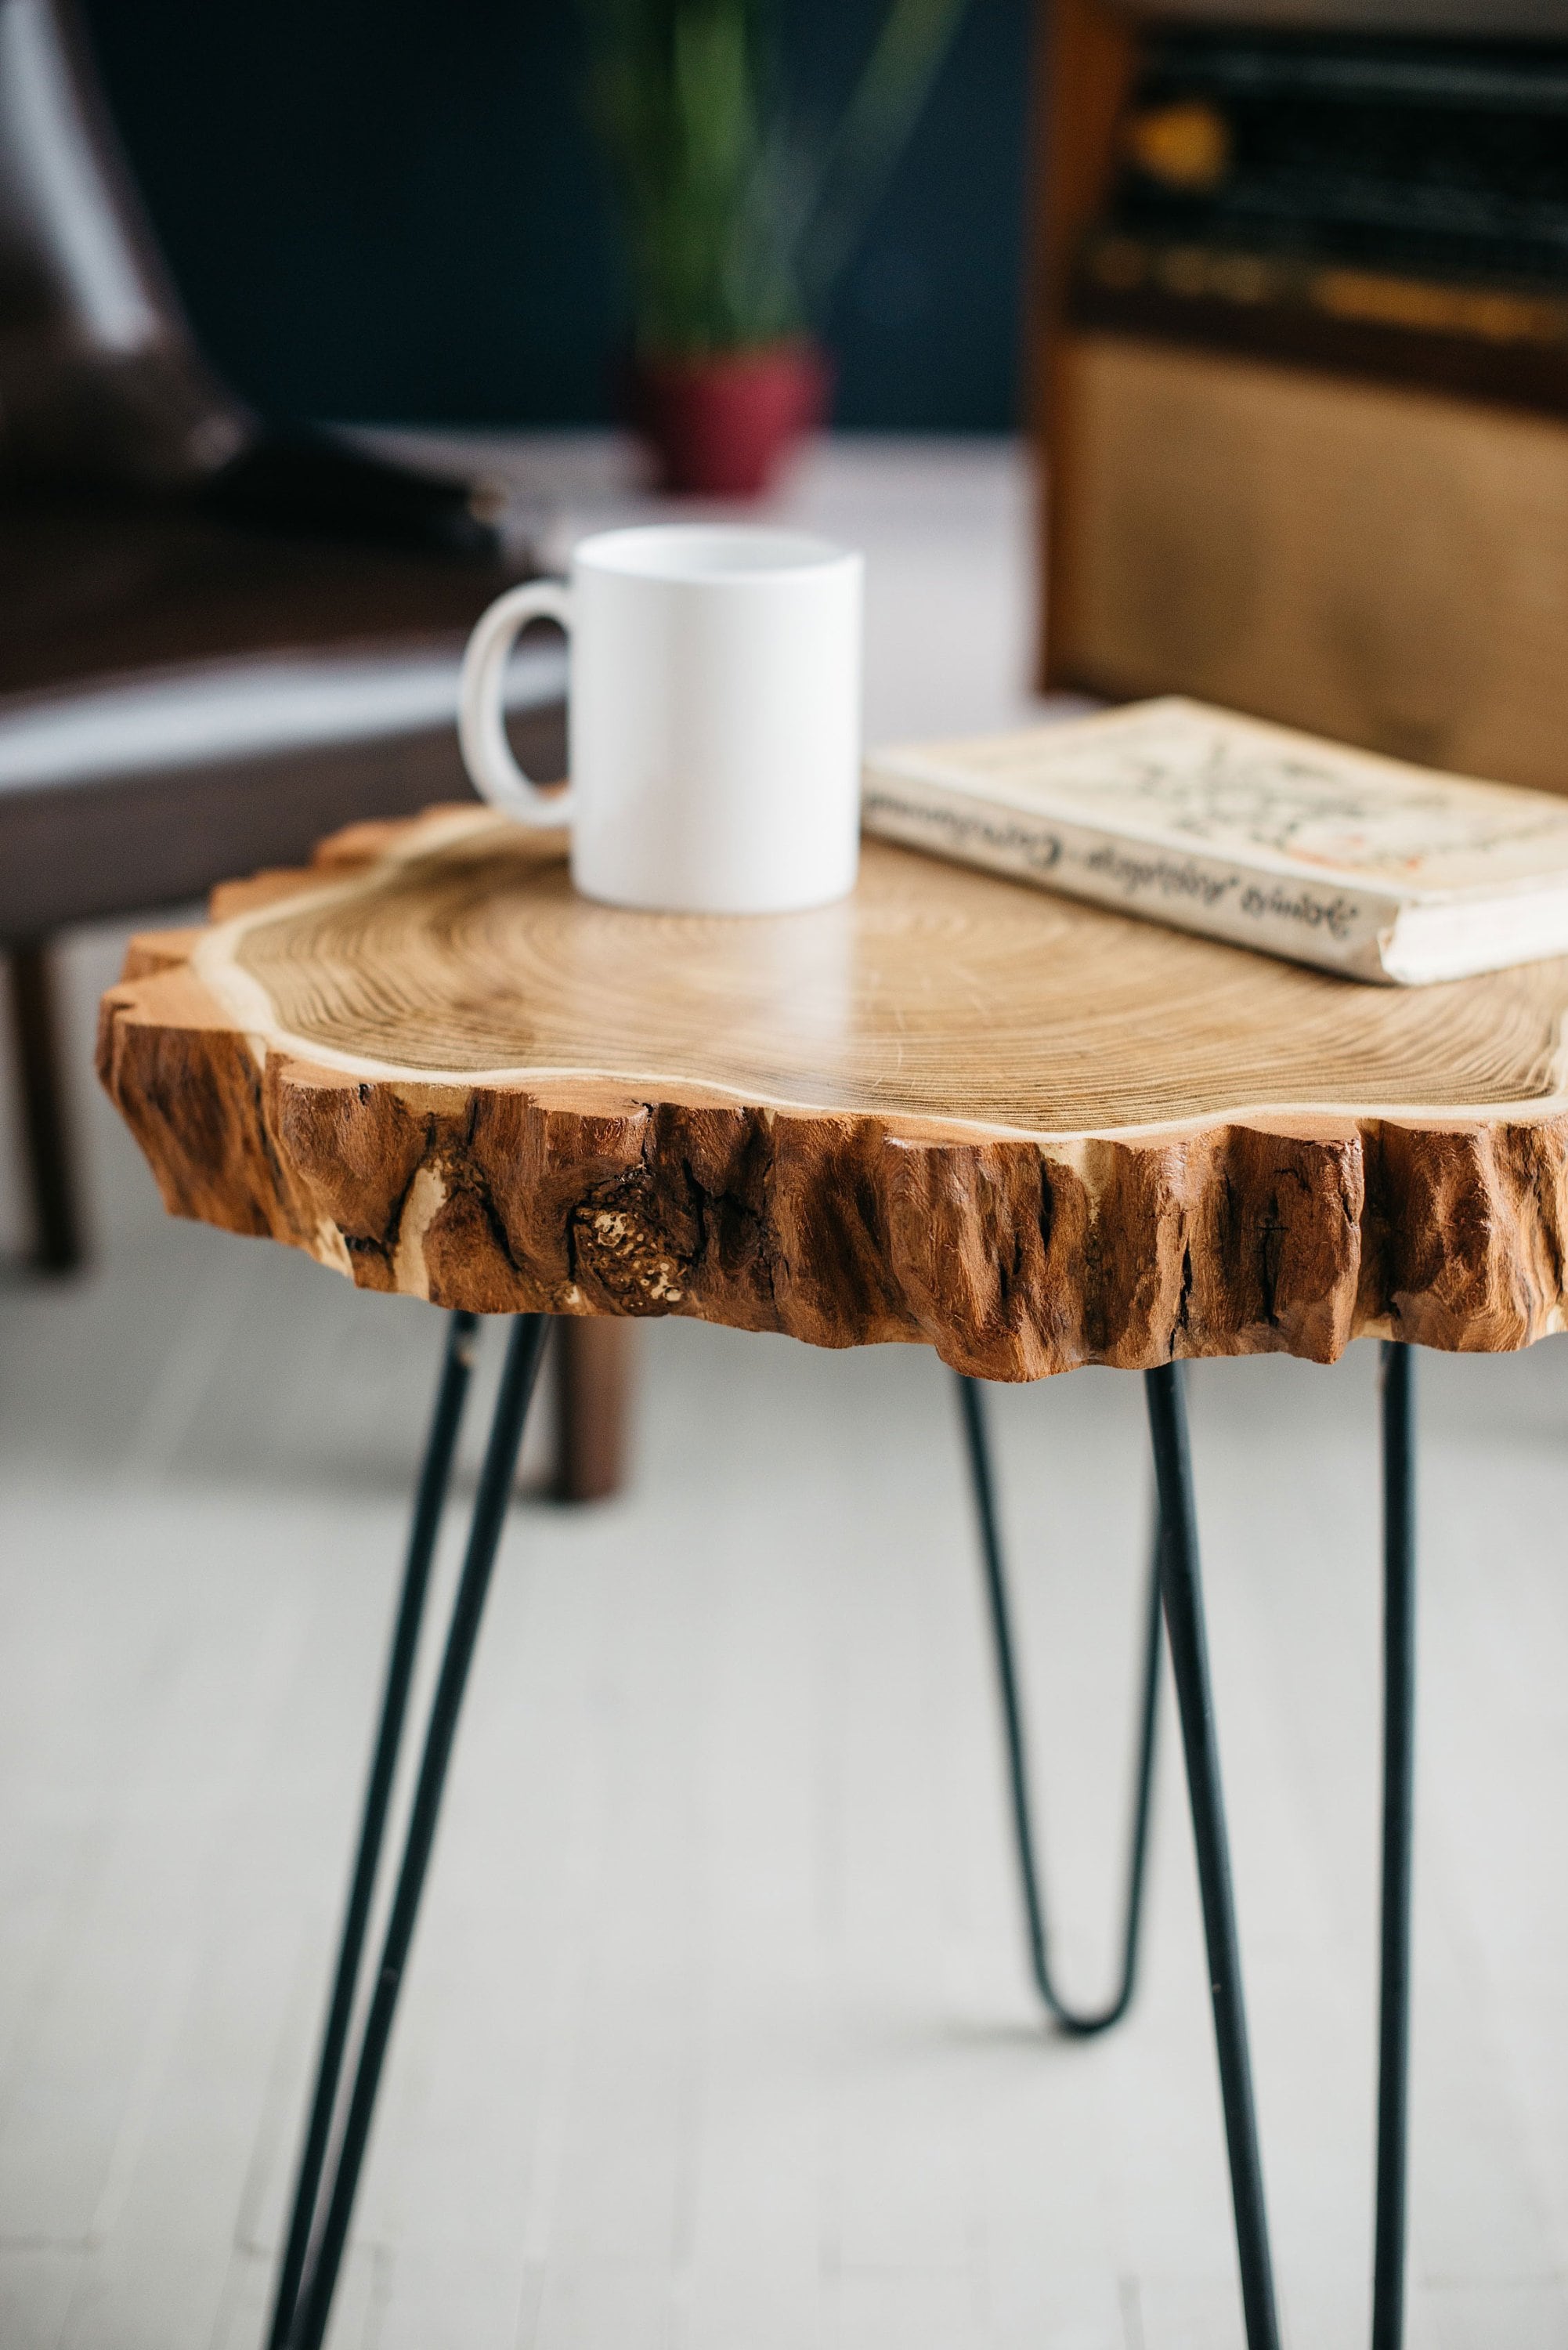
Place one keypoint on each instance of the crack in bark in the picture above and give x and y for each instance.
(1184, 1300)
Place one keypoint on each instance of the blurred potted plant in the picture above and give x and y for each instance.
(737, 220)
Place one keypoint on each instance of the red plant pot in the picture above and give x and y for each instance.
(720, 425)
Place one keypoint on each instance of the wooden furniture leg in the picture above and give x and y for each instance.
(594, 1371)
(46, 1140)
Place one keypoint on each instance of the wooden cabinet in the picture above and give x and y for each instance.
(1348, 525)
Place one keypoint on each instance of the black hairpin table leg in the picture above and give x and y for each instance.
(434, 1480)
(1184, 1624)
(1080, 2022)
(1182, 1585)
(305, 2293)
(1399, 1832)
(303, 2327)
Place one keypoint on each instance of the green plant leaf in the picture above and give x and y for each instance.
(736, 224)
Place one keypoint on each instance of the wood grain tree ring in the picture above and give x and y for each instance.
(951, 1109)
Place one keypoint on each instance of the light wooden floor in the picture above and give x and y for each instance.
(718, 2036)
(718, 2032)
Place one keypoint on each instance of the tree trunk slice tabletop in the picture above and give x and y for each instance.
(953, 1109)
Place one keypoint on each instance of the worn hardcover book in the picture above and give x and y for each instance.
(1248, 832)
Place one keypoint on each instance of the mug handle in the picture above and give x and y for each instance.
(481, 728)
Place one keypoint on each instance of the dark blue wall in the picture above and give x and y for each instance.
(389, 208)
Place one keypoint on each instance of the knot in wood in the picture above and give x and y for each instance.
(619, 1245)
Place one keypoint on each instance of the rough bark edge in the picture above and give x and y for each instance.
(1013, 1259)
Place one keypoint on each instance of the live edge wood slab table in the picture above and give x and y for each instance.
(952, 1110)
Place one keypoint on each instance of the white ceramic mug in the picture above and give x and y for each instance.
(713, 724)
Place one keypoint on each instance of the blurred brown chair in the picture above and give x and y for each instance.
(218, 640)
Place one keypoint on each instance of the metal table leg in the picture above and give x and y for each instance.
(308, 2273)
(1183, 1592)
(1082, 2023)
(434, 1480)
(307, 2277)
(1398, 1836)
(1184, 1623)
